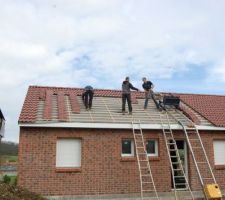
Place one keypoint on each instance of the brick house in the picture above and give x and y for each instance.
(66, 150)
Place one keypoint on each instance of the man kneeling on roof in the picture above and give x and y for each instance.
(126, 96)
(87, 97)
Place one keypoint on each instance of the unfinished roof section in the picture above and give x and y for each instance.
(54, 104)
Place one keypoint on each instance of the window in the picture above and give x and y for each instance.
(127, 147)
(219, 152)
(152, 147)
(68, 153)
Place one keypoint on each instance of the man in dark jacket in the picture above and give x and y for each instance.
(87, 97)
(147, 86)
(126, 95)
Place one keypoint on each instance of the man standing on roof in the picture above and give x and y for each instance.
(126, 96)
(87, 96)
(148, 86)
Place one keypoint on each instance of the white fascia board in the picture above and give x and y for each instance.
(112, 126)
(210, 128)
(96, 125)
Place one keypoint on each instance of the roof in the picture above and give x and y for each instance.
(58, 104)
(1, 115)
(212, 107)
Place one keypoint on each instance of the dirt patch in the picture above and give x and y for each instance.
(10, 192)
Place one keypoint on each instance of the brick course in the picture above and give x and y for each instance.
(103, 170)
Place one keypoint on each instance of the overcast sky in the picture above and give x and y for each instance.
(179, 45)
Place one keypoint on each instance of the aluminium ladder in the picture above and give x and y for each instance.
(198, 153)
(146, 178)
(177, 170)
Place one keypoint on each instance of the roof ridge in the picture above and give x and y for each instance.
(71, 88)
(117, 90)
(196, 94)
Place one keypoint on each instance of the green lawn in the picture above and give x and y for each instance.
(12, 180)
(10, 158)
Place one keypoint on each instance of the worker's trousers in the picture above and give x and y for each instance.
(126, 97)
(88, 97)
(148, 94)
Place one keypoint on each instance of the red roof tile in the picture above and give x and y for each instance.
(62, 113)
(211, 107)
(48, 105)
(74, 103)
(189, 113)
(29, 110)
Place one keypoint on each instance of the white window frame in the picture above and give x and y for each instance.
(156, 154)
(68, 153)
(132, 148)
(219, 152)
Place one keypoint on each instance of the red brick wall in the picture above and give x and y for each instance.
(103, 170)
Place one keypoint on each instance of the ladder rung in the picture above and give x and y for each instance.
(138, 141)
(146, 175)
(193, 139)
(143, 160)
(202, 162)
(171, 143)
(179, 176)
(146, 182)
(167, 132)
(196, 148)
(140, 147)
(172, 149)
(207, 178)
(191, 132)
(177, 169)
(147, 190)
(180, 183)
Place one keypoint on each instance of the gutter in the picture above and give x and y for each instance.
(112, 126)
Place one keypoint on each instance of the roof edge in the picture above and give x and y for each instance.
(112, 126)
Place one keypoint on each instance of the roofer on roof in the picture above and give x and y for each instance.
(126, 96)
(147, 86)
(87, 97)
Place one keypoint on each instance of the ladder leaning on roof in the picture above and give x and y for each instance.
(176, 166)
(146, 178)
(195, 144)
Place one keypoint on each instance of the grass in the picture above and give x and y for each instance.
(10, 179)
(10, 158)
(13, 180)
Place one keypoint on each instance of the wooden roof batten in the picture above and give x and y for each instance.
(104, 110)
(65, 105)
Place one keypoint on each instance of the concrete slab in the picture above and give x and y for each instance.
(163, 196)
